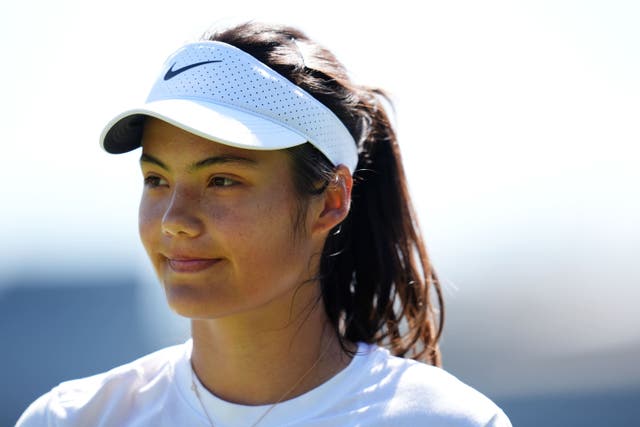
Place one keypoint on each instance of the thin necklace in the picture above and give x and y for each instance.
(194, 387)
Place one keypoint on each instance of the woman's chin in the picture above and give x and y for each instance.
(189, 301)
(194, 302)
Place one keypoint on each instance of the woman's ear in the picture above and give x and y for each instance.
(335, 202)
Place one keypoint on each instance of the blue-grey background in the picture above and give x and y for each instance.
(518, 122)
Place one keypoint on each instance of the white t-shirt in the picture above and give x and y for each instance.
(374, 390)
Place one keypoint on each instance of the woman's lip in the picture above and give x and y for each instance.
(191, 265)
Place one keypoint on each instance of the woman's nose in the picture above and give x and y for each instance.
(180, 218)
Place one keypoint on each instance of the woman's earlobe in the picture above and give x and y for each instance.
(336, 200)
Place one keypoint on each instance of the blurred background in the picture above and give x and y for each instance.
(519, 125)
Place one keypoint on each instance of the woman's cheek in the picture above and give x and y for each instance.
(149, 223)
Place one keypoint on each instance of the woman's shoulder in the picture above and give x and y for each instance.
(417, 391)
(74, 399)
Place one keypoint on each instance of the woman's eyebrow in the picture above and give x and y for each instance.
(146, 158)
(224, 158)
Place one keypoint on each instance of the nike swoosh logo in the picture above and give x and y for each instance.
(172, 73)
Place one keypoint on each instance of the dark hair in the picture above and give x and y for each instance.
(376, 279)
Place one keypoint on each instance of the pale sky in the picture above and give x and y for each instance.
(530, 101)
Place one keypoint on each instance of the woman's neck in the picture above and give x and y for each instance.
(260, 358)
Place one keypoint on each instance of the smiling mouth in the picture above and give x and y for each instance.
(191, 265)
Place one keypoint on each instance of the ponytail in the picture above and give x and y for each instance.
(376, 279)
(382, 280)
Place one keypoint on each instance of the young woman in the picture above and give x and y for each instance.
(276, 214)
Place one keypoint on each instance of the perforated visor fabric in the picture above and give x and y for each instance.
(221, 93)
(219, 123)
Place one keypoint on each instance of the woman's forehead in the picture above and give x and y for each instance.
(160, 136)
(168, 144)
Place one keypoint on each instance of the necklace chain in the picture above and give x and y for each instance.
(194, 387)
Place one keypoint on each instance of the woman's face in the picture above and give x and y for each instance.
(217, 224)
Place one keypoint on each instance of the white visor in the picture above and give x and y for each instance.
(219, 92)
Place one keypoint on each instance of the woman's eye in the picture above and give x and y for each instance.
(221, 181)
(154, 181)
